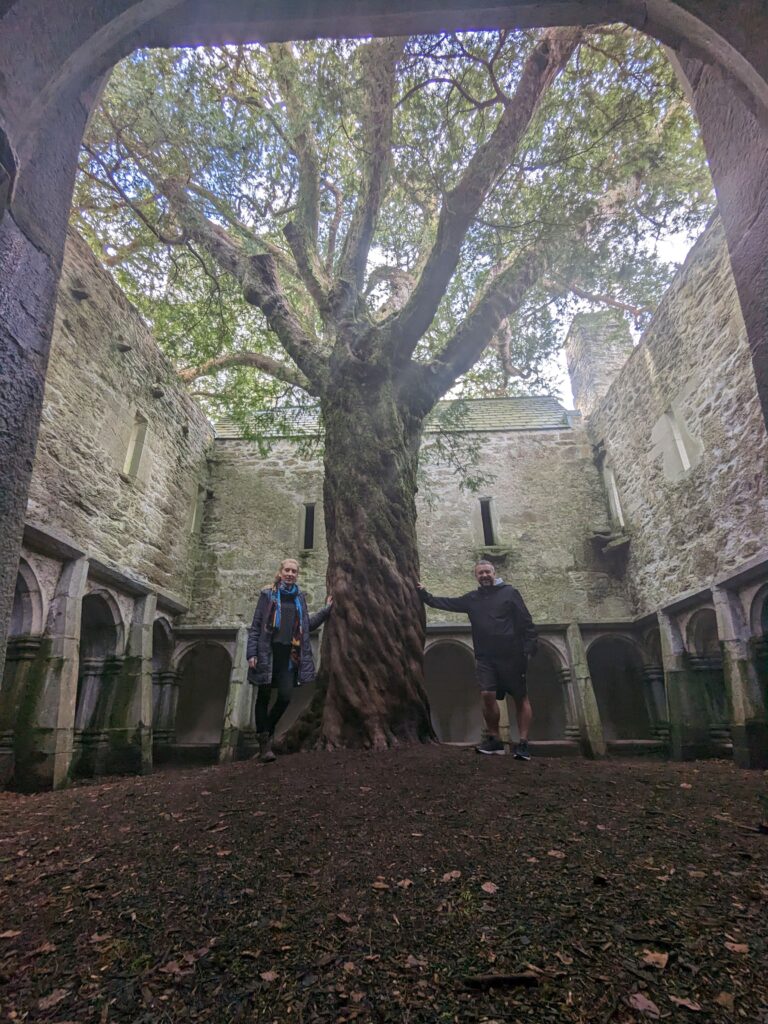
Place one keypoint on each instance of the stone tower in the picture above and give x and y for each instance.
(596, 348)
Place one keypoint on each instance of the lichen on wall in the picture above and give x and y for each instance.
(684, 435)
(105, 368)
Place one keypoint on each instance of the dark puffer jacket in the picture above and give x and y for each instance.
(260, 640)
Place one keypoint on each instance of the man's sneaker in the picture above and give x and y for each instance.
(490, 745)
(266, 753)
(521, 751)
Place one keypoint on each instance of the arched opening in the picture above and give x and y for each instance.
(545, 690)
(164, 683)
(616, 668)
(705, 660)
(454, 699)
(203, 687)
(100, 635)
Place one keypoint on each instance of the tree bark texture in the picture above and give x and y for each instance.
(372, 666)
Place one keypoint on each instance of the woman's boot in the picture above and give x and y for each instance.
(266, 754)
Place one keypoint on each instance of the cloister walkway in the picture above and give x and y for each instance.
(387, 887)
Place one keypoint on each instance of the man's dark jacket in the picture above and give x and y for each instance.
(502, 627)
(260, 640)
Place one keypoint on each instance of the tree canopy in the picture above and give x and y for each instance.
(339, 160)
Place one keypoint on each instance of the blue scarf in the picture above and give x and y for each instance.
(290, 590)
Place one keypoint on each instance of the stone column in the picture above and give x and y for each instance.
(49, 737)
(237, 709)
(588, 715)
(689, 712)
(163, 730)
(656, 701)
(749, 720)
(572, 730)
(137, 724)
(32, 234)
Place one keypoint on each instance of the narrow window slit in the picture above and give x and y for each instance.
(485, 513)
(309, 526)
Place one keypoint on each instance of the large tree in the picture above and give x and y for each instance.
(365, 224)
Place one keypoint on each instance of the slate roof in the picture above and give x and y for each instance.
(479, 415)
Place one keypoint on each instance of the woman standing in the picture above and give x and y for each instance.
(279, 651)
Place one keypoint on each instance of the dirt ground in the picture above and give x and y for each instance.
(388, 887)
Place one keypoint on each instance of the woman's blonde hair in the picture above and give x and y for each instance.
(276, 581)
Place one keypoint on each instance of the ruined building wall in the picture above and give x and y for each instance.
(111, 393)
(684, 438)
(546, 498)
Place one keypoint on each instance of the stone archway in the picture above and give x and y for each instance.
(704, 658)
(22, 678)
(204, 674)
(46, 100)
(616, 668)
(100, 663)
(546, 692)
(454, 699)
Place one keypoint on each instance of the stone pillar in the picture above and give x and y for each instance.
(89, 696)
(572, 730)
(45, 756)
(32, 235)
(689, 711)
(238, 706)
(588, 716)
(749, 720)
(163, 728)
(137, 725)
(656, 701)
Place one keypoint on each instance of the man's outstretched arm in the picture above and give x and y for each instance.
(530, 636)
(446, 604)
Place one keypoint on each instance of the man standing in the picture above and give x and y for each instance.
(504, 638)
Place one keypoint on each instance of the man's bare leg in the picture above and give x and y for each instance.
(524, 716)
(491, 713)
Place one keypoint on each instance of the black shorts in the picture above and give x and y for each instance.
(502, 676)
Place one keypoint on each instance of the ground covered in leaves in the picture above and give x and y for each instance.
(389, 887)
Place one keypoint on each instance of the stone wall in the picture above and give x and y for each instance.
(684, 436)
(105, 370)
(546, 499)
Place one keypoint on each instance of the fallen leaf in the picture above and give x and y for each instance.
(725, 999)
(47, 947)
(100, 938)
(556, 853)
(564, 958)
(685, 785)
(53, 999)
(349, 967)
(172, 967)
(414, 961)
(345, 918)
(9, 935)
(657, 960)
(737, 947)
(490, 887)
(223, 853)
(405, 883)
(450, 876)
(688, 1004)
(697, 874)
(645, 1005)
(532, 860)
(379, 885)
(268, 976)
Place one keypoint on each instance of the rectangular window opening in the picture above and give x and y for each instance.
(677, 436)
(135, 446)
(485, 514)
(309, 526)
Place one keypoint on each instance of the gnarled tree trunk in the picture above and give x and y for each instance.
(372, 666)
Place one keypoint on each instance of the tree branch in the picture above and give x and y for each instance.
(462, 204)
(301, 232)
(257, 274)
(600, 298)
(379, 61)
(502, 297)
(273, 367)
